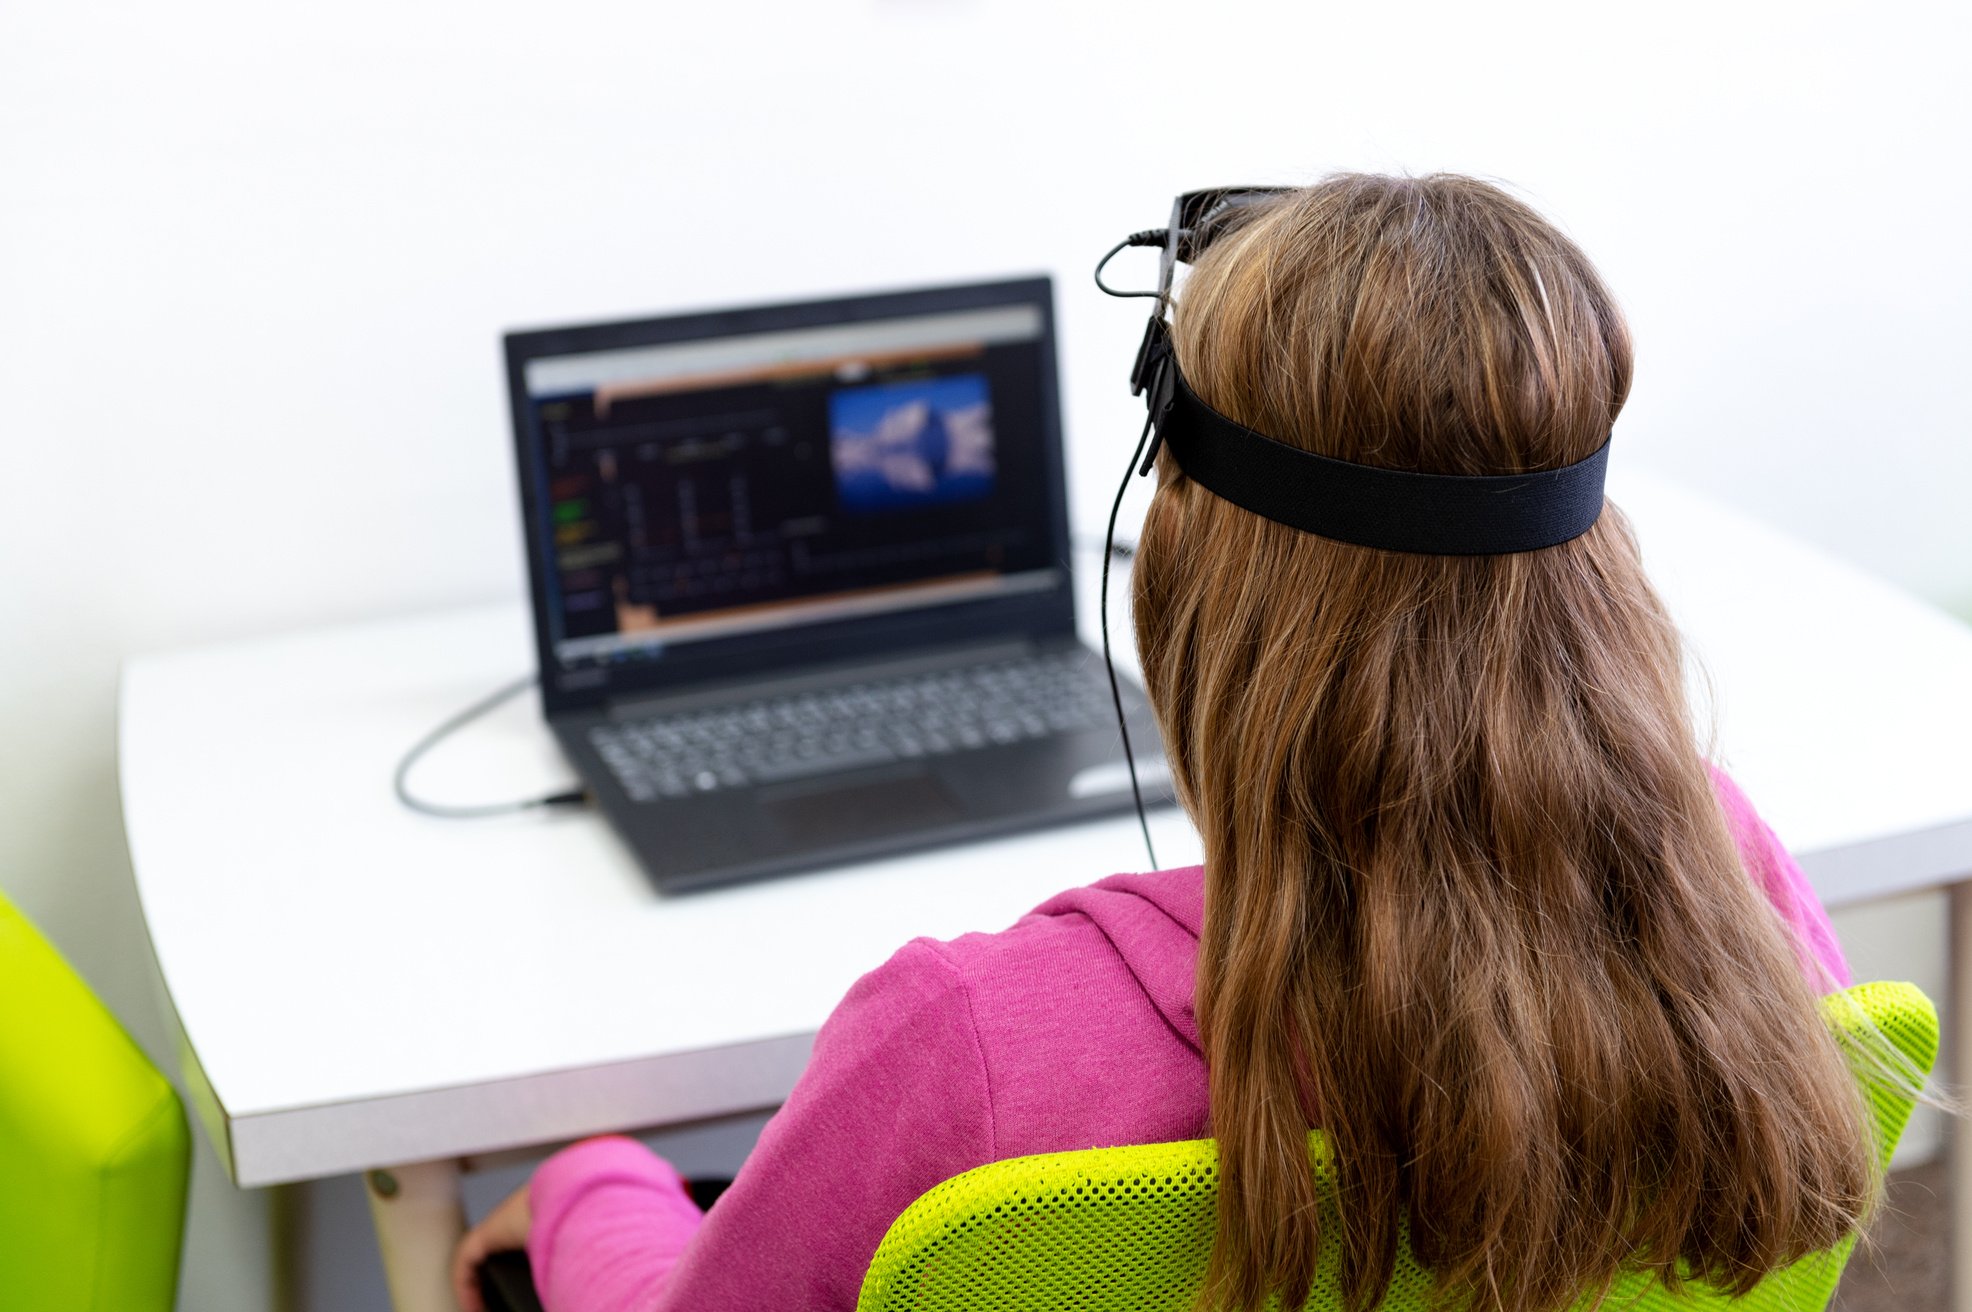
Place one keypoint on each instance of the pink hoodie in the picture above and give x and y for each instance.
(1072, 1029)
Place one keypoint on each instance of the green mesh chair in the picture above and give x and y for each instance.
(93, 1145)
(1129, 1229)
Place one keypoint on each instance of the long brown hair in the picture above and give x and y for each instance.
(1471, 906)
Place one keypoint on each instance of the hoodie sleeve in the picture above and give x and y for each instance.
(893, 1101)
(1780, 878)
(610, 1219)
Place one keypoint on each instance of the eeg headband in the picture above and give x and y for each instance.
(1390, 509)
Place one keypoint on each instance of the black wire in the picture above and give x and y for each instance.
(1109, 661)
(399, 780)
(1148, 237)
(1120, 550)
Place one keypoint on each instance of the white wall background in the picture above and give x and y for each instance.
(254, 259)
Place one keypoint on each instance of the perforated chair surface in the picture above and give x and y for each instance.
(1129, 1229)
(94, 1148)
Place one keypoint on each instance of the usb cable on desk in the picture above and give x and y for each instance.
(400, 780)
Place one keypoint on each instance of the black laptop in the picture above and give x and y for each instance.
(802, 580)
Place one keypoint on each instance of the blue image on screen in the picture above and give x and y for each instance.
(899, 446)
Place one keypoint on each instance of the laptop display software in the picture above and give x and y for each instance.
(708, 493)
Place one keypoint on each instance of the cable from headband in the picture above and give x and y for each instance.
(1390, 509)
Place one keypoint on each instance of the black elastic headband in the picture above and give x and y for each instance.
(1391, 509)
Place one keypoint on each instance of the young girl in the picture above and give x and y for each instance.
(1472, 901)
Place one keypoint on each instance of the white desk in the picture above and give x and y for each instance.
(362, 988)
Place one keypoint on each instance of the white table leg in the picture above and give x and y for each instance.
(419, 1217)
(1958, 1019)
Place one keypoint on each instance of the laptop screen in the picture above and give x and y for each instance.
(705, 491)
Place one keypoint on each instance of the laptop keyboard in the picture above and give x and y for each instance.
(776, 739)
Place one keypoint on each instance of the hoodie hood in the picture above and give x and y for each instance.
(1153, 922)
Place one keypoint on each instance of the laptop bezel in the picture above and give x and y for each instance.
(1039, 614)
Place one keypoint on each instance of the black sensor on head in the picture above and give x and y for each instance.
(1369, 506)
(1390, 509)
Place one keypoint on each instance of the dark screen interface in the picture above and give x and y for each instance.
(707, 489)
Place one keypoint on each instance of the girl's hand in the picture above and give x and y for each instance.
(502, 1228)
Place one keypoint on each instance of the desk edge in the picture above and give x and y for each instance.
(340, 1138)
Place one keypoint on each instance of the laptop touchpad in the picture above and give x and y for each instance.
(870, 807)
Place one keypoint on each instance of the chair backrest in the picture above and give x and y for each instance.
(93, 1145)
(1130, 1229)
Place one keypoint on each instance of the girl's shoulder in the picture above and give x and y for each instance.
(1126, 945)
(1143, 917)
